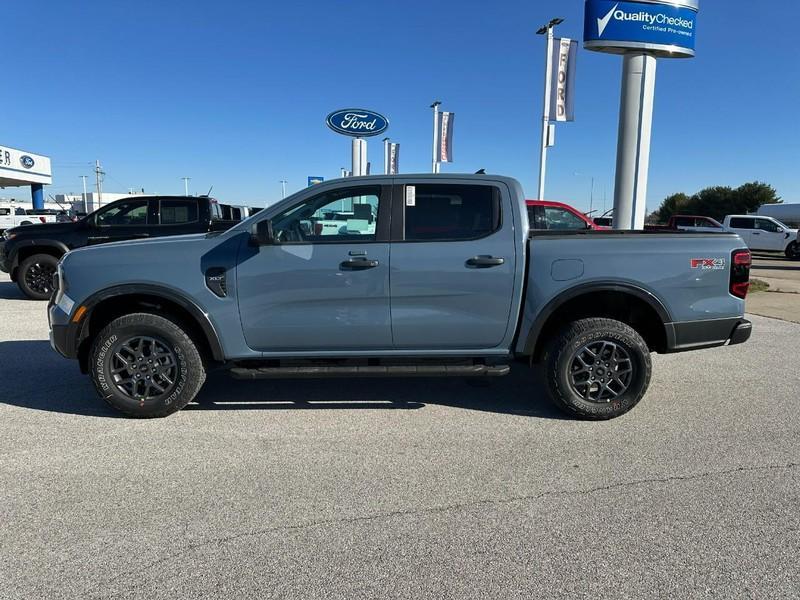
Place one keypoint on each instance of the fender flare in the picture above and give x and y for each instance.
(43, 243)
(588, 288)
(198, 314)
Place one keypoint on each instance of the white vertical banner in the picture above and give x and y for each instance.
(444, 137)
(394, 159)
(562, 88)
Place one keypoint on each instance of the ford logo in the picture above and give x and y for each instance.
(357, 122)
(26, 161)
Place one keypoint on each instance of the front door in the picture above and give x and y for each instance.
(770, 235)
(453, 266)
(121, 220)
(324, 284)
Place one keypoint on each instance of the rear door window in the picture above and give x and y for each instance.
(742, 223)
(444, 212)
(177, 212)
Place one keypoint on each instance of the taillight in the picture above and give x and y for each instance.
(741, 260)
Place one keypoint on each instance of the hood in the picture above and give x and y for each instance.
(43, 229)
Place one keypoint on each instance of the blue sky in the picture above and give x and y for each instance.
(234, 94)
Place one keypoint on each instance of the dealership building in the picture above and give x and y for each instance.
(20, 168)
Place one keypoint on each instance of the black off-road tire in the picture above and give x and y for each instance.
(35, 276)
(793, 251)
(561, 357)
(187, 376)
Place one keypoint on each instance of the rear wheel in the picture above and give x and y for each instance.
(793, 250)
(598, 368)
(35, 276)
(145, 365)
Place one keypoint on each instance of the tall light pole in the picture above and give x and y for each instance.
(186, 185)
(98, 176)
(591, 189)
(435, 157)
(283, 188)
(83, 178)
(548, 74)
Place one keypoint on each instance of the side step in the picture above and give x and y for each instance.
(370, 371)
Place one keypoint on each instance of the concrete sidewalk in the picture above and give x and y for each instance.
(778, 305)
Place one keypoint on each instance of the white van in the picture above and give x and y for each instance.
(765, 233)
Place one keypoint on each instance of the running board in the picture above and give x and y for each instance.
(371, 371)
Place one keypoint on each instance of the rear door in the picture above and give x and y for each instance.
(176, 216)
(453, 265)
(744, 226)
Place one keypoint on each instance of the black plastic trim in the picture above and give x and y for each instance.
(694, 335)
(588, 288)
(200, 317)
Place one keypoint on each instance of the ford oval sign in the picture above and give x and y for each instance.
(26, 161)
(357, 122)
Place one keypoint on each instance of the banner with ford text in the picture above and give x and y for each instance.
(394, 159)
(444, 142)
(562, 84)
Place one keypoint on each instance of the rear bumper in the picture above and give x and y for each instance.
(695, 335)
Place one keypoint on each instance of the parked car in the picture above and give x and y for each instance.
(30, 254)
(548, 215)
(765, 233)
(13, 215)
(449, 282)
(690, 223)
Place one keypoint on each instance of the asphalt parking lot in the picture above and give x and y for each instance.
(401, 488)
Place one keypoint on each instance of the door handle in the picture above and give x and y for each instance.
(484, 262)
(141, 235)
(358, 264)
(756, 233)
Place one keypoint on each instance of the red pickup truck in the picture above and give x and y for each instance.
(545, 214)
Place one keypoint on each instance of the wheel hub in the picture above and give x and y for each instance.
(39, 278)
(144, 368)
(601, 371)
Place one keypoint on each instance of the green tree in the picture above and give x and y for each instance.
(718, 201)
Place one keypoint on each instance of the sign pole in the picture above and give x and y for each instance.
(546, 112)
(386, 156)
(633, 145)
(435, 156)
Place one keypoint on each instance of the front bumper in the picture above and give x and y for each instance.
(5, 262)
(64, 334)
(696, 335)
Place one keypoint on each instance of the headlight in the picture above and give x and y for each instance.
(9, 236)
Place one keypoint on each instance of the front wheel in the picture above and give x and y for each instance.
(35, 276)
(146, 366)
(598, 368)
(793, 250)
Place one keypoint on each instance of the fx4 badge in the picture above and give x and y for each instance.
(707, 263)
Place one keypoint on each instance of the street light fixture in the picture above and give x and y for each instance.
(548, 73)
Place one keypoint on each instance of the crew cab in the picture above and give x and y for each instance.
(547, 214)
(765, 233)
(30, 254)
(448, 281)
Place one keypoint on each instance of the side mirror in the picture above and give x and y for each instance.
(262, 233)
(779, 230)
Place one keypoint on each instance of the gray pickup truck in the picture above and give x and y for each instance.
(418, 275)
